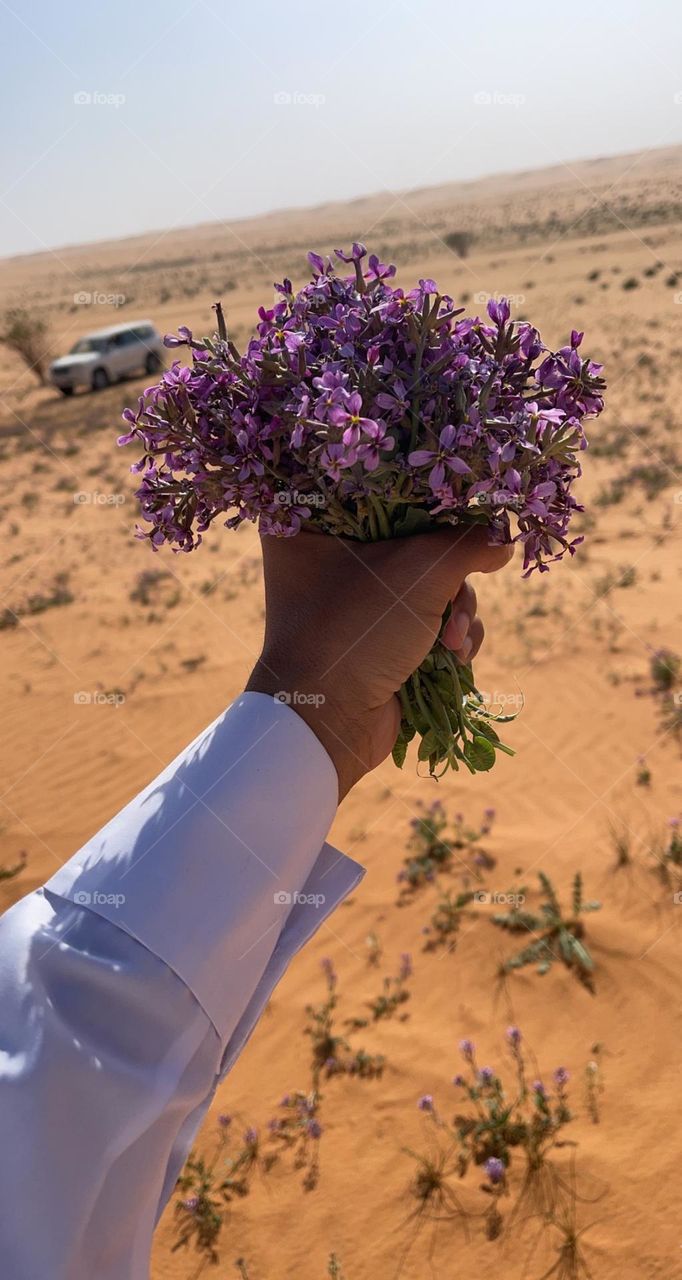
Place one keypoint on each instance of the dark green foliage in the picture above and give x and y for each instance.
(556, 936)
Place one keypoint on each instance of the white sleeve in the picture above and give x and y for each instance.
(132, 980)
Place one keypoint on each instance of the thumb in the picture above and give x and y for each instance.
(448, 555)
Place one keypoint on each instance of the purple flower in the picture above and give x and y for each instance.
(191, 1204)
(224, 1120)
(336, 397)
(495, 1170)
(486, 1075)
(313, 1129)
(514, 1036)
(425, 1103)
(250, 1136)
(539, 1088)
(561, 1077)
(467, 1048)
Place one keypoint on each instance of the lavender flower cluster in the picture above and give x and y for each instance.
(369, 412)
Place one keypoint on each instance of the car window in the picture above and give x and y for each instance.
(87, 345)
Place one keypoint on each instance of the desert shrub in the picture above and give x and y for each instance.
(460, 241)
(27, 334)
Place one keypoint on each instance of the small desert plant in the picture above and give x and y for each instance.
(667, 853)
(299, 1130)
(205, 1191)
(496, 1126)
(394, 993)
(433, 849)
(27, 334)
(643, 775)
(665, 670)
(558, 936)
(374, 950)
(444, 924)
(331, 1052)
(8, 873)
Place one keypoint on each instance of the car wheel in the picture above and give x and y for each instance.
(153, 363)
(100, 380)
(66, 391)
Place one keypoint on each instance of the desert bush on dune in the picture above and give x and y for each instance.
(460, 241)
(27, 334)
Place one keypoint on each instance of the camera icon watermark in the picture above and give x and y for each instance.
(499, 698)
(296, 698)
(83, 898)
(97, 698)
(96, 499)
(293, 498)
(487, 899)
(283, 98)
(83, 98)
(484, 98)
(514, 299)
(98, 299)
(283, 899)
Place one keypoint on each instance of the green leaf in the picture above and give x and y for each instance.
(427, 746)
(413, 520)
(399, 751)
(480, 753)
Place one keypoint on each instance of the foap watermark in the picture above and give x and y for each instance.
(84, 98)
(514, 299)
(498, 498)
(293, 498)
(484, 98)
(83, 898)
(98, 698)
(97, 299)
(498, 698)
(283, 98)
(297, 699)
(93, 498)
(495, 899)
(283, 899)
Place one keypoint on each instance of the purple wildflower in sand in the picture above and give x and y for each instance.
(425, 1103)
(495, 1170)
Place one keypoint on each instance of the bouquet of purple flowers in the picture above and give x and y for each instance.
(369, 412)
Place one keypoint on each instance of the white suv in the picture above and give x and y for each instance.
(106, 355)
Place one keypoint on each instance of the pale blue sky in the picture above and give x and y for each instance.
(184, 123)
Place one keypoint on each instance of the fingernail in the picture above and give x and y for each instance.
(462, 623)
(466, 647)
